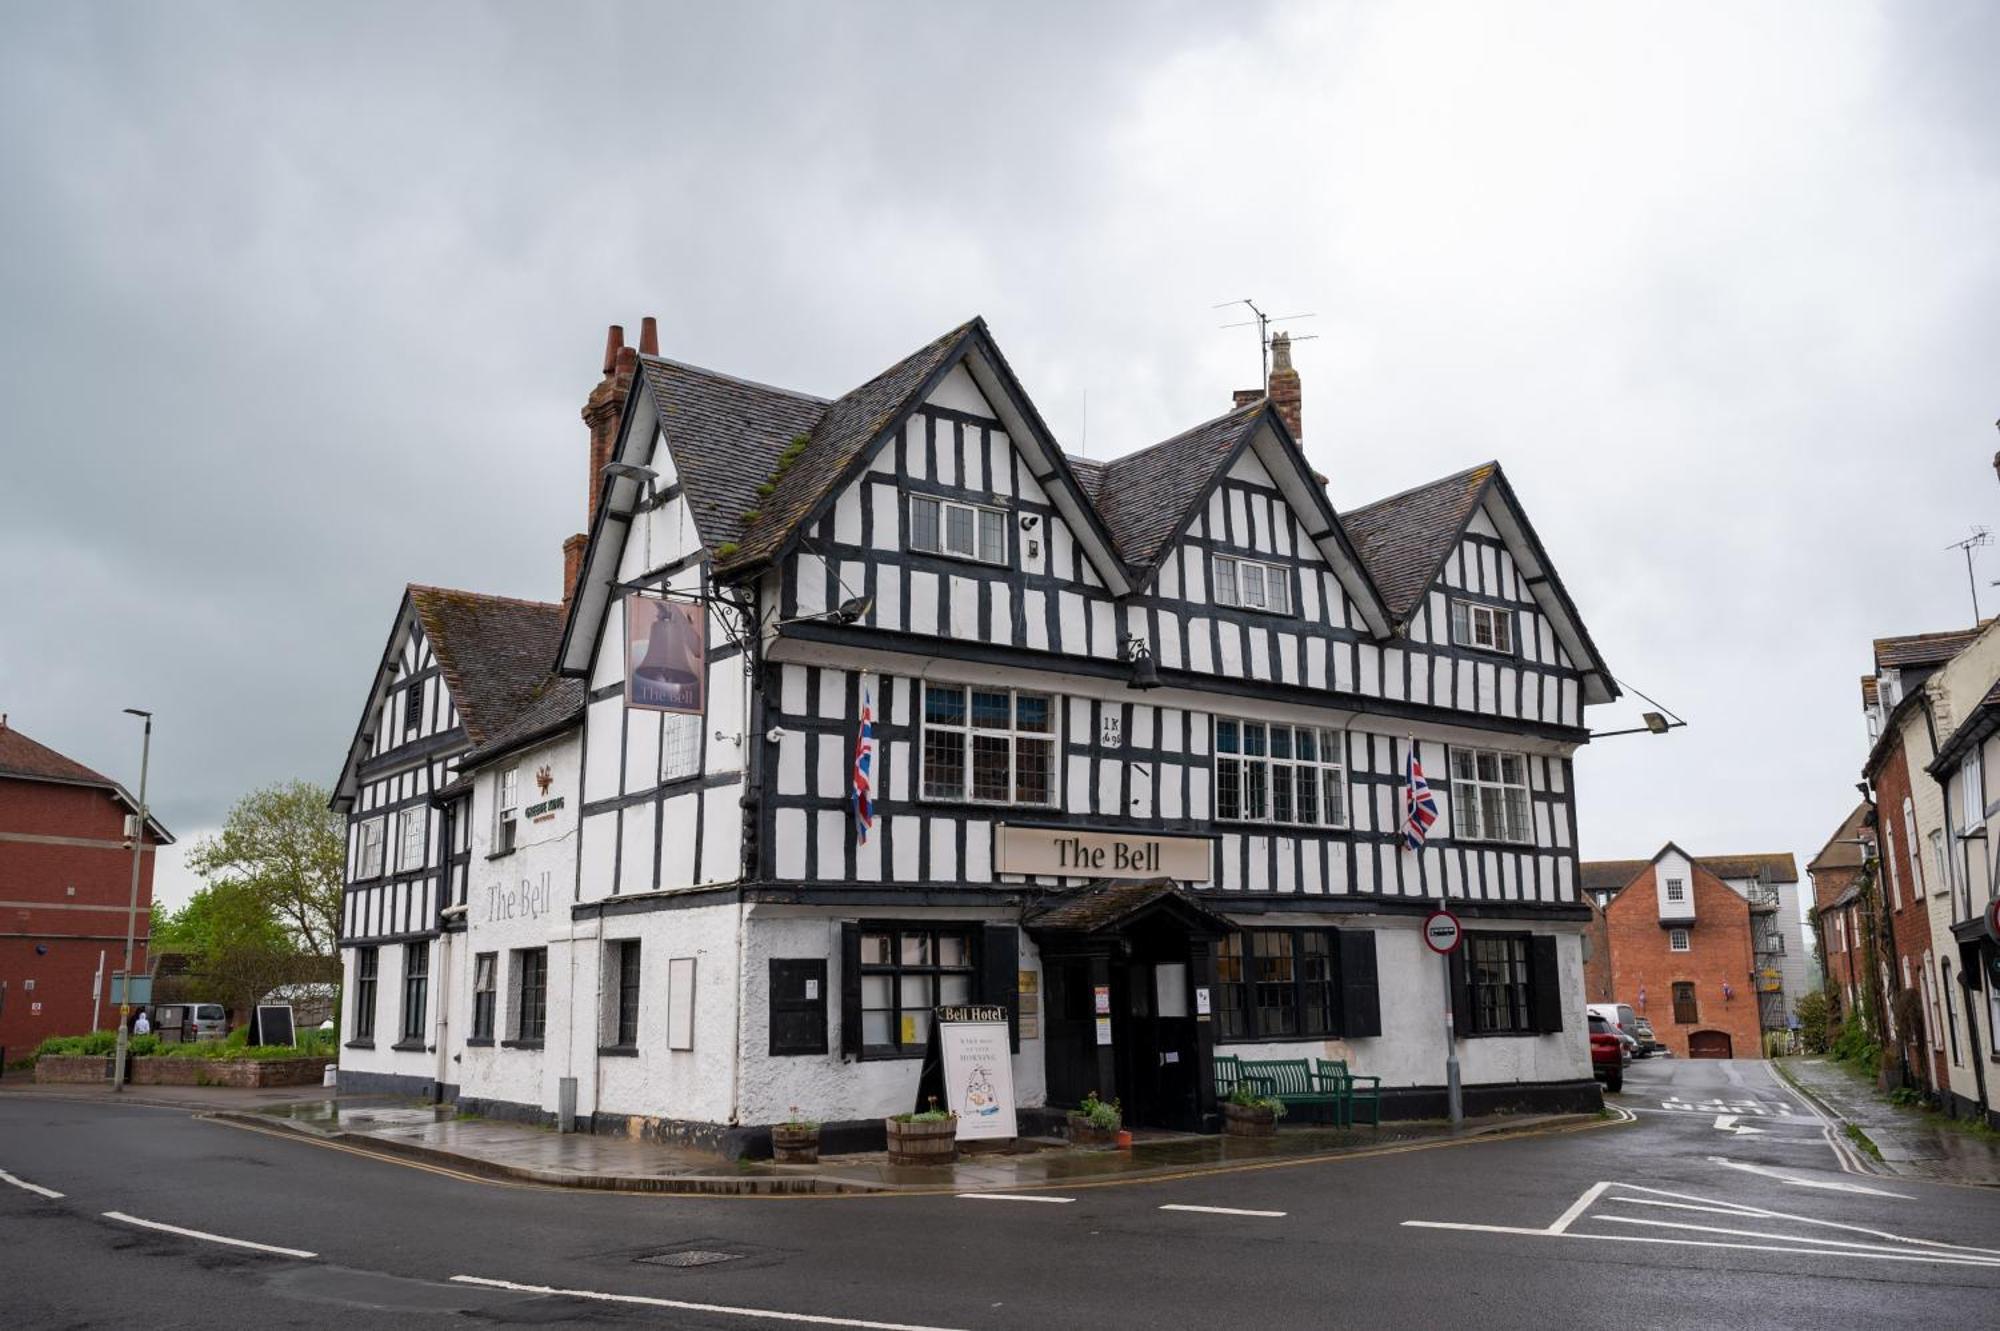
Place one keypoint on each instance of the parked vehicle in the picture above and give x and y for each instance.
(185, 1023)
(1607, 1053)
(1649, 1044)
(1626, 1022)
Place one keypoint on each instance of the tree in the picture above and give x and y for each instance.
(286, 848)
(240, 952)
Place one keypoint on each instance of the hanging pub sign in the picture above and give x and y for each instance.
(665, 650)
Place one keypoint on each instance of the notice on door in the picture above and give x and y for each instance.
(978, 1078)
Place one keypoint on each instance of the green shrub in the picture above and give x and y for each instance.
(1855, 1047)
(1246, 1095)
(1815, 1017)
(1102, 1116)
(238, 1038)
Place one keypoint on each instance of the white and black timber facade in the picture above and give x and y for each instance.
(1183, 660)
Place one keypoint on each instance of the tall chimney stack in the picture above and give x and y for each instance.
(573, 550)
(606, 402)
(1283, 390)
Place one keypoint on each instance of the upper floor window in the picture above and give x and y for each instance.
(1486, 627)
(1971, 782)
(968, 531)
(1678, 940)
(410, 851)
(1280, 774)
(1489, 796)
(993, 746)
(680, 746)
(506, 810)
(368, 851)
(1677, 889)
(413, 707)
(1910, 844)
(1250, 585)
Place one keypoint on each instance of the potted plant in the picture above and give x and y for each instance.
(1247, 1114)
(1095, 1123)
(926, 1137)
(795, 1141)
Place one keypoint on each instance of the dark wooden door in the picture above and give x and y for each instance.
(1709, 1044)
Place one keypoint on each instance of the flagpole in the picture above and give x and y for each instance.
(1453, 1091)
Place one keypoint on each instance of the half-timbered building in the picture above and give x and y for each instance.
(1140, 731)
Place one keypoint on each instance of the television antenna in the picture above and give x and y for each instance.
(1980, 536)
(1262, 323)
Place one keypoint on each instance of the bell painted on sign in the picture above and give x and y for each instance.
(664, 640)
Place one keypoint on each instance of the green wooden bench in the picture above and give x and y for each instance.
(1293, 1082)
(1229, 1073)
(1353, 1095)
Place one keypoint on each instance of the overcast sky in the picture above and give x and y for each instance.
(299, 303)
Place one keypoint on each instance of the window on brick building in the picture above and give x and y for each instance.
(1686, 1011)
(1676, 889)
(1678, 940)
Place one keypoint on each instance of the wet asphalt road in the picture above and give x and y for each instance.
(1725, 1203)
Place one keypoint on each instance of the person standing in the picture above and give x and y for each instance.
(140, 1026)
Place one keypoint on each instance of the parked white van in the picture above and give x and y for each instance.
(1626, 1022)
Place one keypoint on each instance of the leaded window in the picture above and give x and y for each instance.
(1250, 584)
(416, 989)
(1279, 774)
(1277, 984)
(905, 973)
(967, 531)
(366, 960)
(1497, 973)
(1486, 628)
(989, 746)
(1489, 796)
(531, 993)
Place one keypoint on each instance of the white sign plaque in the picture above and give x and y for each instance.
(978, 1078)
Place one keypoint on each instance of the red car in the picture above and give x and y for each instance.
(1607, 1054)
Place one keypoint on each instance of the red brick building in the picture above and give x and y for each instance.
(1836, 875)
(1682, 956)
(65, 887)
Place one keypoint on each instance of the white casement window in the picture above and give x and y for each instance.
(1940, 862)
(1931, 1003)
(1972, 786)
(1892, 862)
(506, 810)
(1677, 889)
(1678, 940)
(1485, 627)
(1279, 774)
(368, 853)
(1840, 933)
(1489, 796)
(1911, 844)
(989, 746)
(410, 849)
(966, 531)
(680, 746)
(1250, 585)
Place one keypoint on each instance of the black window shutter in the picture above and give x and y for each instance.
(1545, 982)
(850, 990)
(1000, 975)
(1360, 994)
(1461, 994)
(798, 1006)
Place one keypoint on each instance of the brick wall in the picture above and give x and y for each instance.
(1598, 986)
(1902, 901)
(1719, 952)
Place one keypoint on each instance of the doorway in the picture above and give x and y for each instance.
(1710, 1044)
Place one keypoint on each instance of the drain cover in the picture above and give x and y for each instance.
(687, 1257)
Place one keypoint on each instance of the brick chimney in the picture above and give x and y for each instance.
(572, 566)
(601, 411)
(1283, 389)
(1245, 396)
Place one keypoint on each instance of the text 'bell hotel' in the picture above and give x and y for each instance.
(859, 706)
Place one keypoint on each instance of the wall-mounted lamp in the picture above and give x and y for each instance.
(1651, 723)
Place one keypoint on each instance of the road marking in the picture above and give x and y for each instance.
(206, 1236)
(1704, 1243)
(598, 1296)
(1830, 1185)
(1791, 1238)
(23, 1184)
(1741, 1210)
(1578, 1207)
(1727, 1123)
(1218, 1210)
(1012, 1197)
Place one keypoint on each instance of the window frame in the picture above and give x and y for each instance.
(1236, 1000)
(486, 973)
(1680, 940)
(506, 810)
(896, 970)
(1269, 575)
(967, 731)
(1518, 987)
(623, 988)
(1466, 615)
(1677, 889)
(530, 977)
(1913, 845)
(416, 992)
(1326, 740)
(681, 736)
(1685, 989)
(371, 847)
(367, 977)
(413, 708)
(942, 526)
(412, 819)
(1461, 805)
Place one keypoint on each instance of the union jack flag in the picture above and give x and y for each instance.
(1420, 807)
(864, 769)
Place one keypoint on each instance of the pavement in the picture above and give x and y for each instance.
(1717, 1197)
(1912, 1142)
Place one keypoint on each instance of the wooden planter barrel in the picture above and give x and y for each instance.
(923, 1143)
(1083, 1133)
(795, 1144)
(1248, 1120)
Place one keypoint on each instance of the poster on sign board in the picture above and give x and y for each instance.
(979, 1078)
(665, 651)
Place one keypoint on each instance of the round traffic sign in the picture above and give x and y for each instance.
(1442, 933)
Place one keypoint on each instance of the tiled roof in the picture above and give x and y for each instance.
(1923, 649)
(556, 705)
(843, 432)
(494, 651)
(1103, 904)
(1405, 539)
(1610, 875)
(1146, 497)
(1840, 852)
(727, 435)
(23, 758)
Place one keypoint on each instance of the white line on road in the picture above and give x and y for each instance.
(37, 1188)
(1830, 1185)
(1578, 1207)
(1702, 1243)
(1991, 1260)
(206, 1236)
(1741, 1210)
(1219, 1210)
(1011, 1197)
(598, 1296)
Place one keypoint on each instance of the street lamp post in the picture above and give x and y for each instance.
(132, 908)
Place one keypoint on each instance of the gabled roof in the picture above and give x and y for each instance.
(24, 759)
(1840, 850)
(1615, 875)
(728, 435)
(1150, 496)
(1406, 539)
(1916, 650)
(556, 705)
(494, 652)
